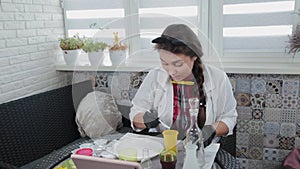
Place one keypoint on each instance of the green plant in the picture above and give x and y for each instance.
(91, 45)
(71, 43)
(117, 45)
(294, 41)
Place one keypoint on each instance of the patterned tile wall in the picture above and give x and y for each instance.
(268, 126)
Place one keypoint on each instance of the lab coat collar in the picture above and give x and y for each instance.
(164, 78)
(208, 82)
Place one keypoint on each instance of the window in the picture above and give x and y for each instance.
(94, 18)
(256, 26)
(237, 35)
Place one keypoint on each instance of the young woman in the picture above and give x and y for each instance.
(162, 99)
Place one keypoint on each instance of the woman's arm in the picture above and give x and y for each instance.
(226, 108)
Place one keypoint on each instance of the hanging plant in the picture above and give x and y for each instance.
(294, 41)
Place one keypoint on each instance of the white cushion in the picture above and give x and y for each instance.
(97, 115)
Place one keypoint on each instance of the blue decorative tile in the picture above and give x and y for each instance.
(257, 101)
(270, 154)
(124, 100)
(288, 130)
(289, 102)
(272, 114)
(242, 151)
(132, 92)
(272, 128)
(101, 81)
(243, 163)
(297, 141)
(136, 79)
(290, 87)
(271, 141)
(298, 124)
(286, 143)
(273, 101)
(243, 85)
(242, 139)
(282, 154)
(119, 84)
(244, 113)
(255, 163)
(274, 87)
(242, 76)
(255, 153)
(288, 115)
(259, 77)
(116, 92)
(258, 86)
(257, 114)
(122, 81)
(256, 127)
(242, 126)
(256, 140)
(290, 77)
(272, 164)
(275, 76)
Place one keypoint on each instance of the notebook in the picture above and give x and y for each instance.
(90, 162)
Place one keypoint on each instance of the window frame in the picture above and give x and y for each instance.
(211, 25)
(245, 62)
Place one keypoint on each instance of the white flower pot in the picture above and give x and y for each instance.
(117, 56)
(71, 56)
(96, 58)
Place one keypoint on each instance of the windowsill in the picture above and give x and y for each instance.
(251, 68)
(102, 68)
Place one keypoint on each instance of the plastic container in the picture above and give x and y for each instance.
(85, 151)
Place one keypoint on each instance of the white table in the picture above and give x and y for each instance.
(210, 151)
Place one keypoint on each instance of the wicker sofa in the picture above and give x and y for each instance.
(39, 131)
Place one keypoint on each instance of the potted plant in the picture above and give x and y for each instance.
(118, 51)
(71, 48)
(94, 50)
(294, 41)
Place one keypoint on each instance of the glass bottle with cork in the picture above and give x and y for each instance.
(194, 133)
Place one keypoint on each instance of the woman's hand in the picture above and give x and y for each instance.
(138, 121)
(211, 131)
(151, 119)
(146, 120)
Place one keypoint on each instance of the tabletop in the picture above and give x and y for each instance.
(210, 151)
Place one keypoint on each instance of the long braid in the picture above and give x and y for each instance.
(198, 75)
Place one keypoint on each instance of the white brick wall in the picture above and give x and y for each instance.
(28, 47)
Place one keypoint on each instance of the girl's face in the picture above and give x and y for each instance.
(178, 66)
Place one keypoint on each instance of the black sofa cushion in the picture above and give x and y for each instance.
(34, 126)
(51, 160)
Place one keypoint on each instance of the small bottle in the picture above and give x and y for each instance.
(190, 160)
(194, 133)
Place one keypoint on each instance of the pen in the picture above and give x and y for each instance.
(183, 82)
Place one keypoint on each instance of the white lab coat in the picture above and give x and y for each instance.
(156, 92)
